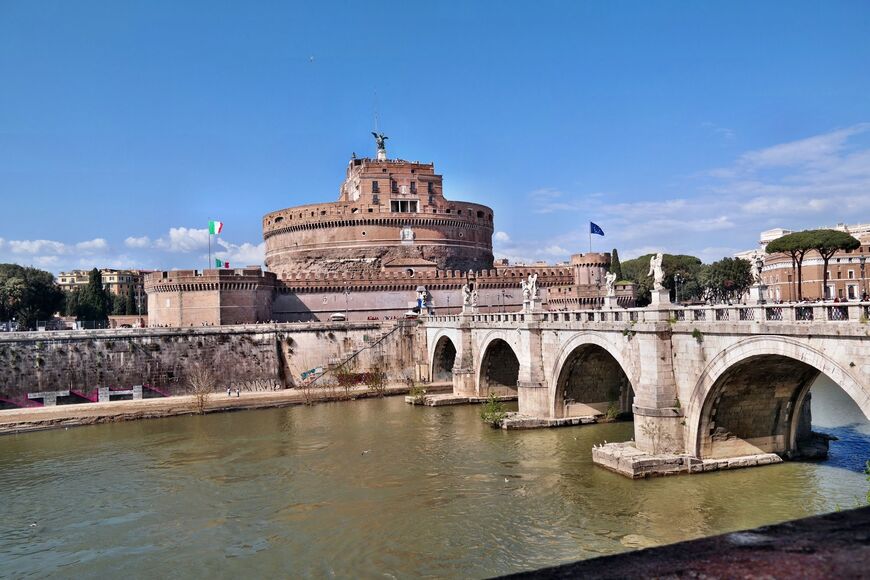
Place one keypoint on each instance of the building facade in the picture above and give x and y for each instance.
(847, 270)
(117, 282)
(367, 256)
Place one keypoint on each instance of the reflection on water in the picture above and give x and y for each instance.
(362, 489)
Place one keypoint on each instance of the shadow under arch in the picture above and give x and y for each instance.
(590, 381)
(753, 398)
(443, 359)
(499, 369)
(588, 351)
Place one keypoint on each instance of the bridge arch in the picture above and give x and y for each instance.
(592, 371)
(750, 397)
(499, 367)
(443, 359)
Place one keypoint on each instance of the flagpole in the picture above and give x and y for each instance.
(209, 245)
(590, 237)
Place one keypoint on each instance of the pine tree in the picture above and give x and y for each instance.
(94, 302)
(615, 266)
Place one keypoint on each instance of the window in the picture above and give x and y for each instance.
(375, 187)
(480, 215)
(403, 206)
(413, 187)
(430, 187)
(851, 275)
(394, 187)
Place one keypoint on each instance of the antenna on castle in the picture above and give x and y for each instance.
(375, 111)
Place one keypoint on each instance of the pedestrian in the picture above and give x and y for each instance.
(238, 392)
(228, 391)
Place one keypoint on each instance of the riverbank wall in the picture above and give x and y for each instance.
(258, 357)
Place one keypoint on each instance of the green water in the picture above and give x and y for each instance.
(362, 489)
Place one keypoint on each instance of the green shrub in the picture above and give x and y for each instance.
(493, 411)
(418, 393)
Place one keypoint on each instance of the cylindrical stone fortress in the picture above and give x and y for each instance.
(390, 213)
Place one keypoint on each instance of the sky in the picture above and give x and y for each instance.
(683, 127)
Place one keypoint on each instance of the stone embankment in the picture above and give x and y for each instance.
(41, 418)
(259, 357)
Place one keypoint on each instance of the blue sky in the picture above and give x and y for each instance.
(677, 126)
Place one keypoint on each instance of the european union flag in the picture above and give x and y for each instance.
(595, 229)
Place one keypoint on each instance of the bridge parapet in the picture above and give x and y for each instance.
(818, 312)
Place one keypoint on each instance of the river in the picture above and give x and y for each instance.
(373, 488)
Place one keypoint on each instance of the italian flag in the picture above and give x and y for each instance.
(220, 263)
(214, 228)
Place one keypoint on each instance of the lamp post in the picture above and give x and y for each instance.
(677, 281)
(863, 260)
(346, 298)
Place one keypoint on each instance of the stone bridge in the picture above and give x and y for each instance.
(709, 387)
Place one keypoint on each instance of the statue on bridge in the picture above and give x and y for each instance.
(530, 288)
(474, 298)
(756, 264)
(657, 271)
(466, 295)
(610, 281)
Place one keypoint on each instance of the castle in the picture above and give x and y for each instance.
(390, 236)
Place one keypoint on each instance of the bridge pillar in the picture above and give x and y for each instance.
(463, 367)
(533, 397)
(658, 416)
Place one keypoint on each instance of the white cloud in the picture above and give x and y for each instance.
(37, 247)
(46, 261)
(498, 237)
(140, 242)
(724, 132)
(245, 254)
(183, 239)
(95, 245)
(816, 150)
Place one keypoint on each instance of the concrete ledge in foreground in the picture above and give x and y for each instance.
(834, 545)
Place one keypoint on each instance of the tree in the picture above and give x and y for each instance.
(827, 243)
(615, 266)
(688, 267)
(726, 280)
(28, 294)
(94, 301)
(797, 244)
(130, 302)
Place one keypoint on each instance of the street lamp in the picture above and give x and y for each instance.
(677, 281)
(863, 260)
(346, 298)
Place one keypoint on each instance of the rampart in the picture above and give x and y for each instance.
(252, 357)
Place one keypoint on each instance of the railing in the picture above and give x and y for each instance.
(838, 313)
(821, 312)
(773, 313)
(803, 313)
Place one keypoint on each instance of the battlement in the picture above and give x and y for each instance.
(252, 278)
(490, 278)
(349, 214)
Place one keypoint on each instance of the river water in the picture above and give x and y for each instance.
(372, 488)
